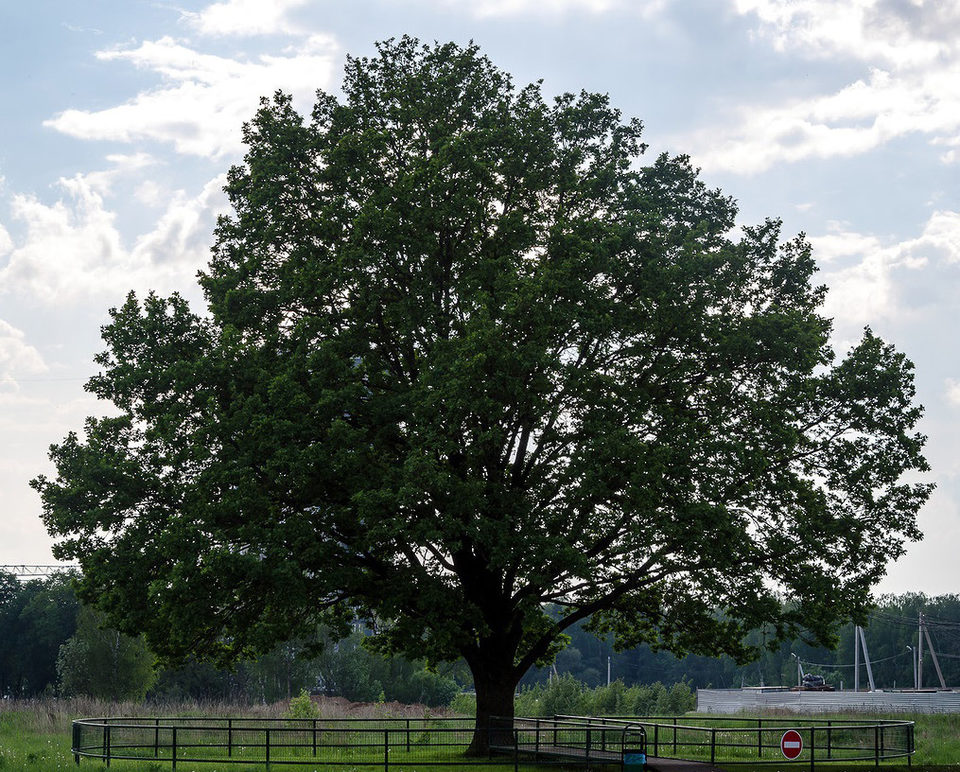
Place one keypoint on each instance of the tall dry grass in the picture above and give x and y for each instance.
(52, 715)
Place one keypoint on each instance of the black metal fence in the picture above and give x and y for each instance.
(581, 741)
(345, 743)
(730, 741)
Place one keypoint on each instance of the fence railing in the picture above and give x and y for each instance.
(344, 743)
(759, 740)
(583, 741)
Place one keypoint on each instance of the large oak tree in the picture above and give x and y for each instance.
(464, 360)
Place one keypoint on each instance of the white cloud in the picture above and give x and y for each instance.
(72, 250)
(953, 391)
(182, 236)
(6, 243)
(41, 413)
(103, 181)
(17, 357)
(149, 193)
(245, 17)
(860, 117)
(493, 8)
(912, 82)
(903, 33)
(516, 7)
(872, 281)
(941, 236)
(204, 99)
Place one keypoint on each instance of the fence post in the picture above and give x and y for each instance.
(408, 735)
(386, 750)
(813, 746)
(759, 738)
(108, 744)
(674, 736)
(876, 745)
(314, 737)
(536, 742)
(156, 738)
(656, 739)
(516, 749)
(829, 739)
(76, 742)
(266, 745)
(173, 748)
(229, 737)
(713, 745)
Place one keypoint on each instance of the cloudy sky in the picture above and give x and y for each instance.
(121, 117)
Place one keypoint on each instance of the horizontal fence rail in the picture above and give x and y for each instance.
(571, 741)
(345, 743)
(740, 740)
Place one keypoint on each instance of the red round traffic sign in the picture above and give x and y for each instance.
(791, 744)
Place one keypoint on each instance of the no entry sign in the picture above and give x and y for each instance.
(791, 744)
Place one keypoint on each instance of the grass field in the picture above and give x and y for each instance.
(35, 737)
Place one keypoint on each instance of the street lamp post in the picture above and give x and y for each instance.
(799, 669)
(913, 654)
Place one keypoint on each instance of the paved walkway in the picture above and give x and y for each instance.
(677, 765)
(578, 757)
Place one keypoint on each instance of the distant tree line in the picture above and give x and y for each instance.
(890, 629)
(51, 644)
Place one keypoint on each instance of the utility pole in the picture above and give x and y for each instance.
(866, 658)
(913, 658)
(799, 669)
(933, 653)
(920, 653)
(859, 639)
(856, 658)
(608, 670)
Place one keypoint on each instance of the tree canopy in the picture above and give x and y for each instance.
(99, 662)
(464, 356)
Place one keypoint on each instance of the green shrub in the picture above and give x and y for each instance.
(562, 695)
(302, 707)
(464, 704)
(568, 696)
(424, 686)
(681, 699)
(528, 699)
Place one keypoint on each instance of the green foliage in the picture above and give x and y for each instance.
(464, 356)
(351, 669)
(464, 704)
(281, 672)
(563, 695)
(302, 706)
(36, 618)
(423, 737)
(204, 682)
(568, 696)
(98, 661)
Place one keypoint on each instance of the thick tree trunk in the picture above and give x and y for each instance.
(494, 725)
